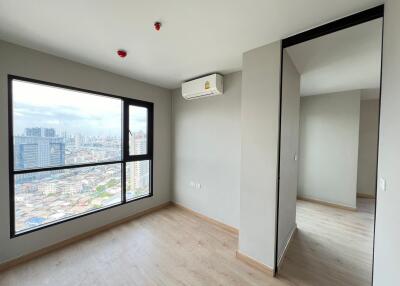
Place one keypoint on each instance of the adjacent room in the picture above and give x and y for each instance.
(199, 142)
(329, 151)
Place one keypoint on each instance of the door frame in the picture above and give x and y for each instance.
(332, 27)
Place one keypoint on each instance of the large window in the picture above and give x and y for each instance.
(74, 152)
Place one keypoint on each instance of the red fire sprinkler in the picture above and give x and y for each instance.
(122, 53)
(157, 26)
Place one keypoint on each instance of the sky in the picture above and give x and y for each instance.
(38, 105)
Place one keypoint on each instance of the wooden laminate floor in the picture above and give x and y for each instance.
(174, 247)
(332, 246)
(168, 247)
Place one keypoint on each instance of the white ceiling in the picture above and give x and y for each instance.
(197, 37)
(346, 60)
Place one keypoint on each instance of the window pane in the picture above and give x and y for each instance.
(137, 130)
(45, 197)
(137, 179)
(58, 126)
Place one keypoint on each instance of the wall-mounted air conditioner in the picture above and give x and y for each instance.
(206, 86)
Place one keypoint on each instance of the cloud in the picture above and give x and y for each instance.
(69, 119)
(38, 105)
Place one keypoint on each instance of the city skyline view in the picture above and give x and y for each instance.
(45, 197)
(56, 127)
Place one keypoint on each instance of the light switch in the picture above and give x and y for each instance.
(382, 184)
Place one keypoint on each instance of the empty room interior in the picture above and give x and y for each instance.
(199, 142)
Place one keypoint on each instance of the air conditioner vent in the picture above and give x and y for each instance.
(202, 87)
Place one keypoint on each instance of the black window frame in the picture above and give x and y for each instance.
(125, 157)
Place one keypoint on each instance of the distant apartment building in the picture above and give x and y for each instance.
(40, 132)
(140, 170)
(78, 140)
(38, 147)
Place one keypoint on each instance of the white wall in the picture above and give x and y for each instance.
(29, 63)
(387, 232)
(289, 148)
(329, 129)
(207, 151)
(368, 147)
(259, 125)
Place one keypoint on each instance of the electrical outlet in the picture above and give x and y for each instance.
(382, 184)
(195, 185)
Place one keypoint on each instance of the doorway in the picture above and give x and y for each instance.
(329, 129)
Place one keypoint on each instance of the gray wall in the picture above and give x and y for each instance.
(368, 147)
(387, 250)
(289, 149)
(259, 125)
(207, 152)
(329, 129)
(29, 63)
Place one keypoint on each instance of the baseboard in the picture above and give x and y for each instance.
(226, 227)
(254, 263)
(327, 204)
(291, 235)
(365, 196)
(61, 244)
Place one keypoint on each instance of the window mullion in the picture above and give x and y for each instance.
(123, 182)
(26, 171)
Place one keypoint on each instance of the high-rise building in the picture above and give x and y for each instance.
(78, 140)
(36, 132)
(26, 155)
(139, 143)
(49, 132)
(39, 147)
(140, 170)
(40, 132)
